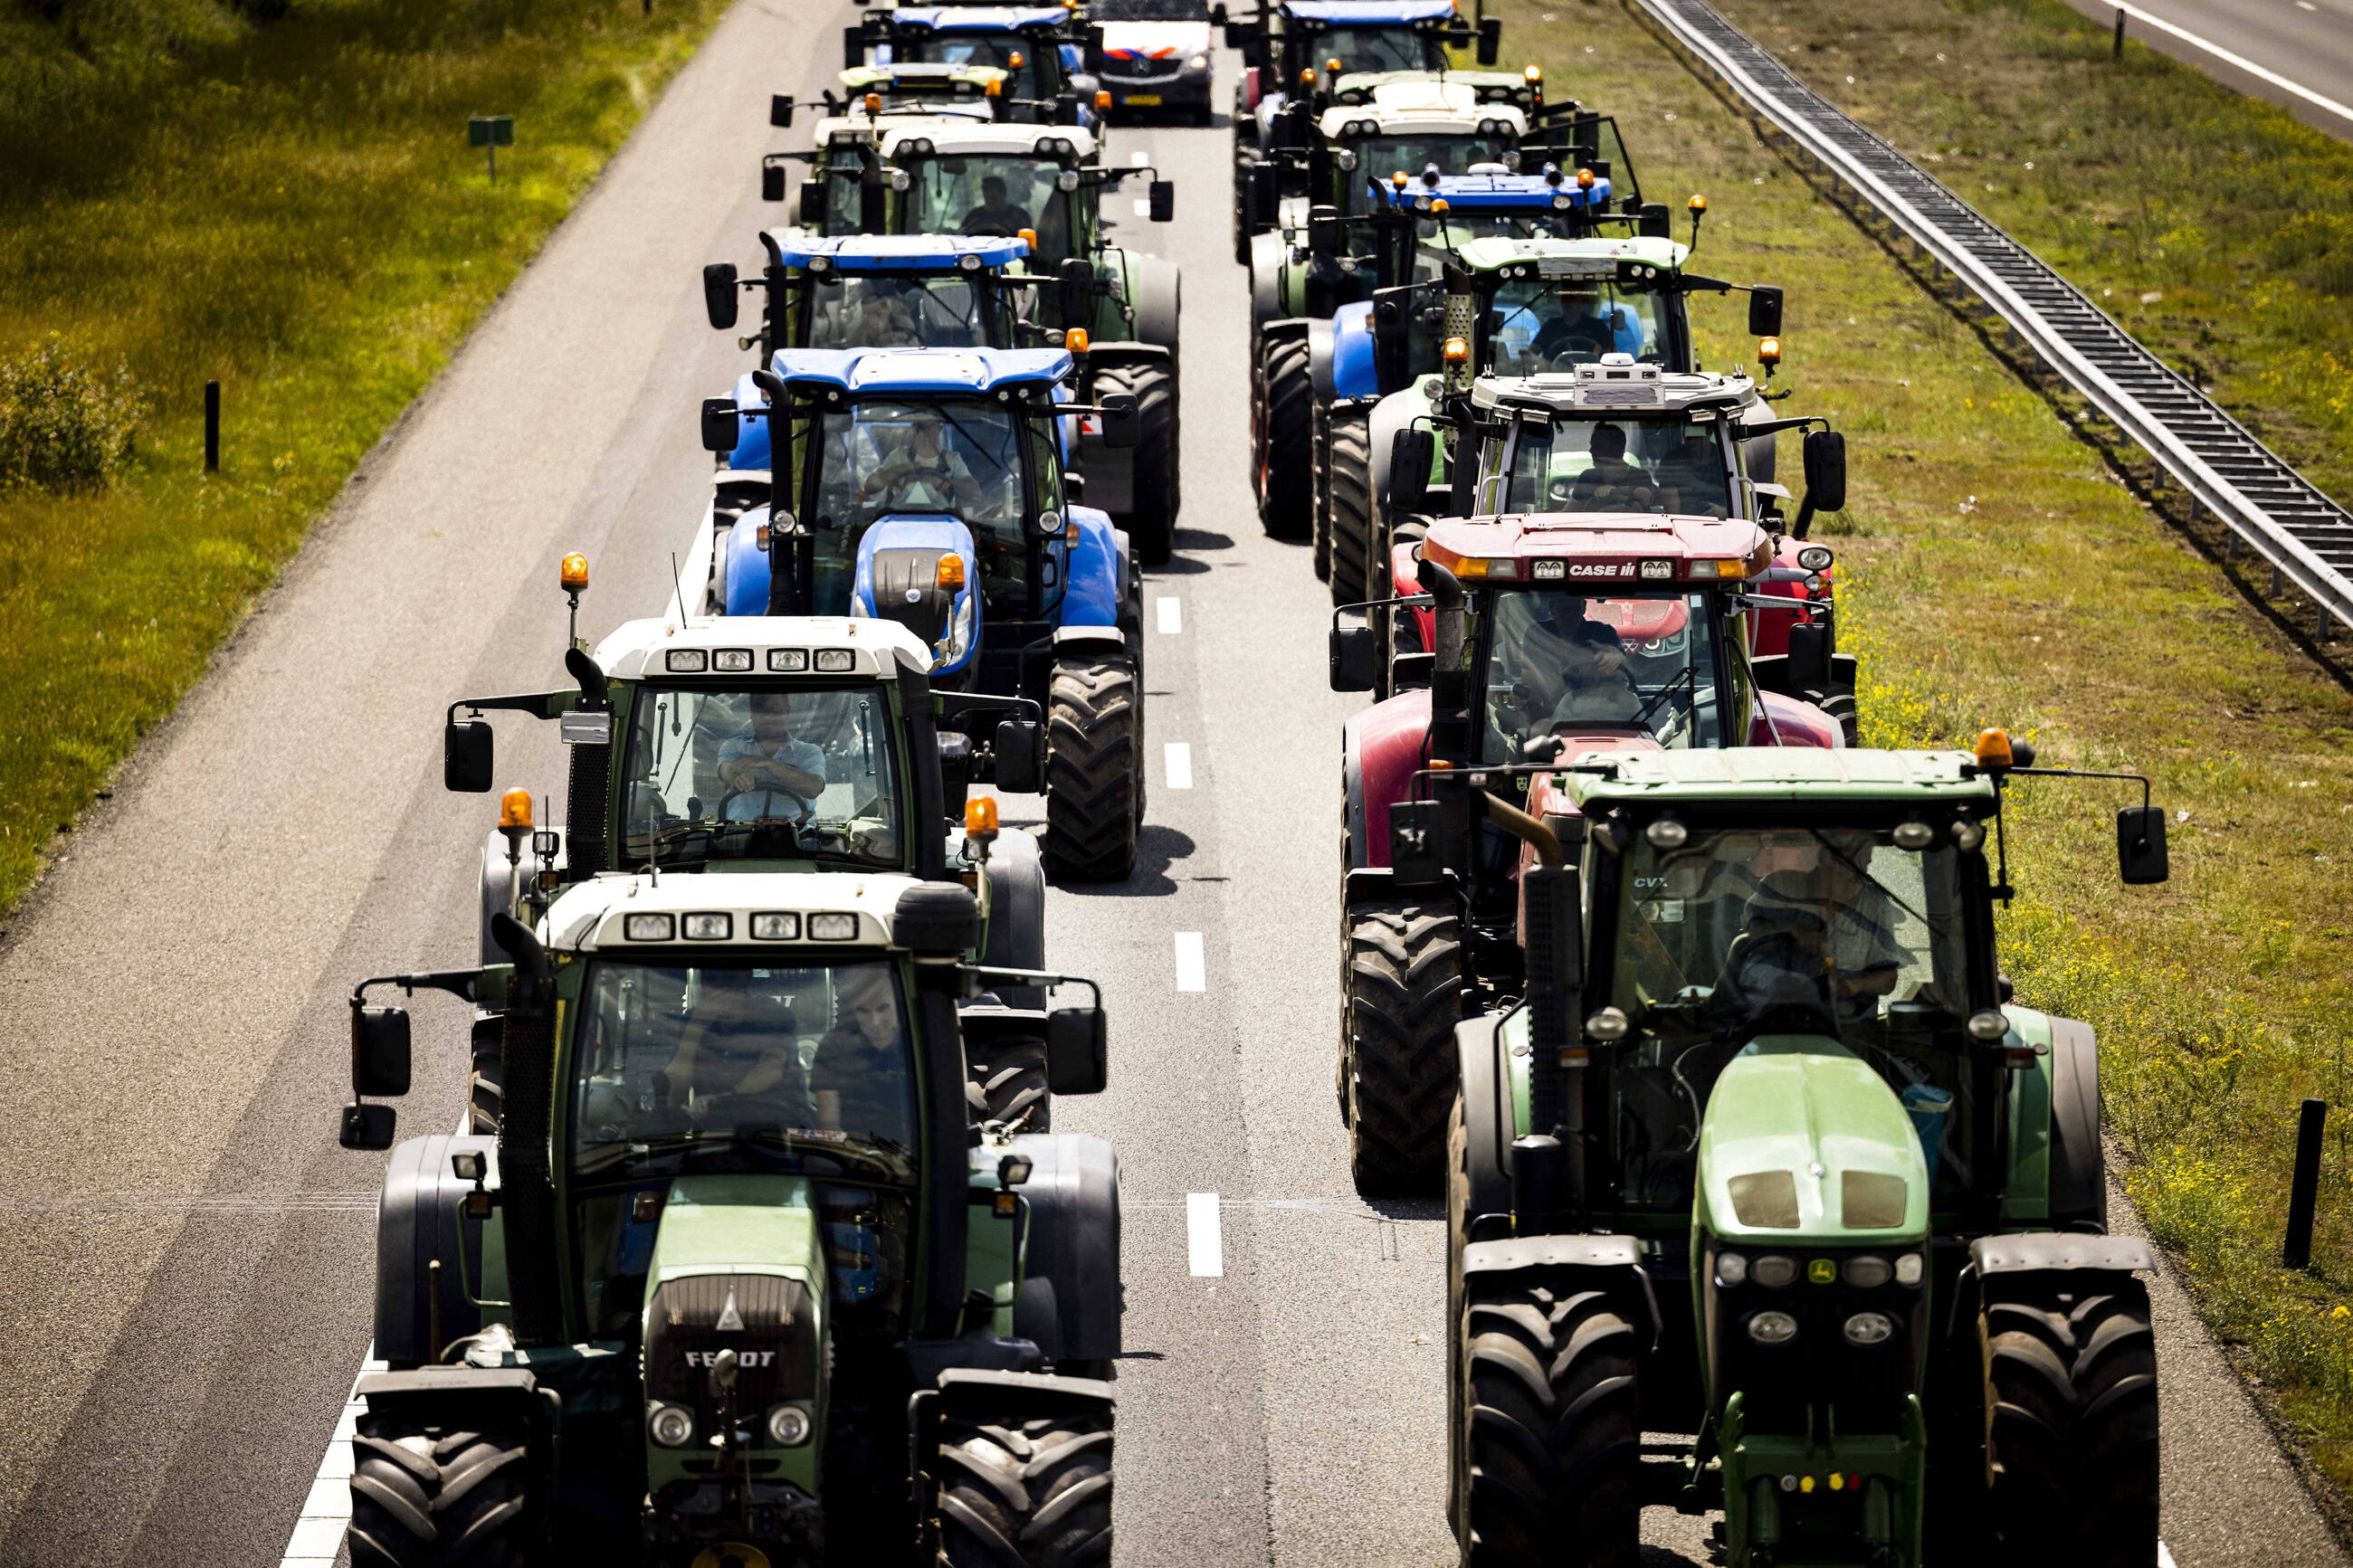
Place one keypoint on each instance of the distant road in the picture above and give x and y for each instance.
(2281, 46)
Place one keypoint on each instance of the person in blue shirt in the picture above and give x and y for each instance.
(771, 775)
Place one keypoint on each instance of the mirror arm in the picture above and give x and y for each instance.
(538, 704)
(954, 702)
(2085, 773)
(1039, 977)
(456, 981)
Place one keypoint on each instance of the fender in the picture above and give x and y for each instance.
(898, 558)
(1269, 252)
(1319, 357)
(420, 1220)
(743, 567)
(1611, 1263)
(1351, 369)
(1093, 596)
(1796, 723)
(1017, 914)
(1392, 414)
(1489, 1123)
(1157, 293)
(1769, 629)
(752, 441)
(1389, 741)
(2057, 1252)
(1069, 1303)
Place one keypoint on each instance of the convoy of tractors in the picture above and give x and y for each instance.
(756, 1244)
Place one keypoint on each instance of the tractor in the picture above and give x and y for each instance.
(1767, 1155)
(931, 487)
(739, 1279)
(1041, 49)
(1042, 184)
(1582, 622)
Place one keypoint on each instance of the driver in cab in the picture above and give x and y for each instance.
(1612, 483)
(1817, 926)
(924, 474)
(736, 1062)
(770, 774)
(1578, 667)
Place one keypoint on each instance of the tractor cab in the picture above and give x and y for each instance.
(1039, 50)
(932, 292)
(1490, 201)
(1296, 47)
(1415, 123)
(1768, 1096)
(747, 1248)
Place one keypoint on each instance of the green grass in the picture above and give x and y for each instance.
(1995, 570)
(287, 207)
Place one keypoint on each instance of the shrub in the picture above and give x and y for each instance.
(64, 425)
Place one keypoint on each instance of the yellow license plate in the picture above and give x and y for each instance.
(1144, 100)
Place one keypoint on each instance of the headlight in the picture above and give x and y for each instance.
(1914, 834)
(1867, 1329)
(1966, 835)
(1666, 832)
(649, 928)
(1608, 1024)
(1068, 180)
(788, 1426)
(833, 928)
(1867, 1272)
(1731, 1268)
(1198, 63)
(968, 263)
(1988, 1025)
(1909, 1268)
(710, 928)
(671, 1426)
(686, 661)
(788, 660)
(835, 661)
(1775, 1328)
(1345, 158)
(901, 180)
(777, 928)
(1815, 558)
(732, 661)
(1774, 1271)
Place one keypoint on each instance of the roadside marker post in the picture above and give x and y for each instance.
(491, 132)
(212, 427)
(2304, 1192)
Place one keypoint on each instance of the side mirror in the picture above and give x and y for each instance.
(1352, 656)
(1217, 14)
(956, 769)
(721, 428)
(1020, 750)
(1078, 1061)
(780, 110)
(1074, 487)
(1074, 281)
(1162, 200)
(1808, 665)
(1428, 839)
(1265, 194)
(1323, 231)
(379, 1051)
(1765, 312)
(367, 1127)
(1491, 40)
(2140, 846)
(718, 295)
(772, 181)
(466, 756)
(1122, 424)
(1825, 457)
(1654, 222)
(813, 206)
(1412, 452)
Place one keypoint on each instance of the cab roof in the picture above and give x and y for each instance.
(635, 650)
(1372, 13)
(592, 916)
(922, 73)
(1776, 773)
(1423, 105)
(1614, 388)
(1488, 192)
(891, 252)
(1599, 549)
(1466, 86)
(957, 137)
(893, 126)
(922, 370)
(977, 19)
(1585, 258)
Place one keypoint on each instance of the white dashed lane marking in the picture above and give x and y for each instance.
(1172, 616)
(1205, 1240)
(1192, 971)
(1180, 765)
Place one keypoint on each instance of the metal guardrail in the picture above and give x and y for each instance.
(2307, 539)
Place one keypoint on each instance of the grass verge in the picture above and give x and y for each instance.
(1999, 572)
(287, 207)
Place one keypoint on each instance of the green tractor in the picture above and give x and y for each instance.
(738, 1279)
(1767, 1155)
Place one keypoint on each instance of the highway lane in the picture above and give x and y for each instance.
(2284, 45)
(191, 1254)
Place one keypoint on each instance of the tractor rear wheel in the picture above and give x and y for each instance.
(1549, 1432)
(1287, 482)
(1029, 1494)
(1402, 996)
(1008, 1086)
(1348, 487)
(1093, 755)
(1151, 522)
(2070, 1419)
(435, 1495)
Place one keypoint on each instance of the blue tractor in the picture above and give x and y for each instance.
(932, 487)
(1041, 49)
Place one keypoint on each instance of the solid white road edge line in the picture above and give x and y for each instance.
(2164, 1558)
(319, 1531)
(2242, 61)
(1172, 616)
(1192, 971)
(1205, 1240)
(1180, 764)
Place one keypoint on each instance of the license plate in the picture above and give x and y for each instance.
(1143, 100)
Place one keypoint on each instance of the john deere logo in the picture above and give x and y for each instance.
(1821, 1271)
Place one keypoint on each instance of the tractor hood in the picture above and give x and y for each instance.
(922, 571)
(1804, 1142)
(737, 1265)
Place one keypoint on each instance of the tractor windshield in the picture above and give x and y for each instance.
(724, 1067)
(960, 457)
(1536, 324)
(773, 773)
(1028, 64)
(1449, 151)
(1630, 464)
(1561, 664)
(1389, 47)
(1739, 932)
(995, 194)
(945, 310)
(1453, 230)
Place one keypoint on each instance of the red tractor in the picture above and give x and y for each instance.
(1529, 637)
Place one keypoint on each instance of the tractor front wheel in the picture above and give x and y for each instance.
(1286, 506)
(1151, 522)
(2070, 1419)
(435, 1495)
(1008, 1086)
(1094, 758)
(1549, 1432)
(1348, 513)
(1402, 996)
(1029, 1494)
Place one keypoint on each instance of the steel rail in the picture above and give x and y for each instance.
(2304, 537)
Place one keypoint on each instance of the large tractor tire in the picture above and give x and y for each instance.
(1152, 524)
(435, 1495)
(1008, 1086)
(1348, 510)
(1547, 1429)
(1402, 996)
(1286, 506)
(1094, 759)
(2070, 1419)
(1032, 1494)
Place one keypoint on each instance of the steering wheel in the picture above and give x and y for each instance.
(806, 803)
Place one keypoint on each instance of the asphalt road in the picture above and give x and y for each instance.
(2308, 42)
(190, 1255)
